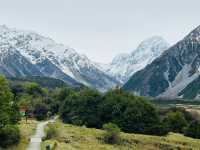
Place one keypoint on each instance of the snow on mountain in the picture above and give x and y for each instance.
(124, 66)
(46, 53)
(176, 73)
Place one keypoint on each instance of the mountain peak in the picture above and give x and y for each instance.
(125, 65)
(152, 44)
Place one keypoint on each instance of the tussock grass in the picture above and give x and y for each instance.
(80, 138)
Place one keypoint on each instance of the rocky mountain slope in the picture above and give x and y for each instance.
(173, 74)
(26, 53)
(124, 66)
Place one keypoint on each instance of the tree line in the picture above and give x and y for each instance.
(132, 114)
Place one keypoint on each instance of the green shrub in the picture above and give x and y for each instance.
(193, 130)
(52, 132)
(40, 111)
(9, 135)
(175, 122)
(112, 135)
(159, 129)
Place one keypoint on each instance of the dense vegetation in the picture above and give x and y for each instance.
(9, 116)
(20, 98)
(130, 113)
(114, 110)
(45, 82)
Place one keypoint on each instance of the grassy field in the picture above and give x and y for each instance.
(80, 138)
(26, 129)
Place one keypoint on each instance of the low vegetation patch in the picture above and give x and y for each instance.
(112, 135)
(82, 138)
(51, 132)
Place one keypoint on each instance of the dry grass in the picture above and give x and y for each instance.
(81, 138)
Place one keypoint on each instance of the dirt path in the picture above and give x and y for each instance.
(36, 139)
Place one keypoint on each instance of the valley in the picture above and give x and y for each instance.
(83, 113)
(148, 99)
(99, 75)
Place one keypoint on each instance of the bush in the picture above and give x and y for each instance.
(41, 111)
(193, 130)
(159, 129)
(52, 132)
(112, 135)
(9, 135)
(175, 122)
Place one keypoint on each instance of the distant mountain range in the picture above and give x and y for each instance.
(176, 73)
(152, 69)
(24, 53)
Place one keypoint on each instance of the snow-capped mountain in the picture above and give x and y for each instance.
(124, 66)
(176, 73)
(51, 59)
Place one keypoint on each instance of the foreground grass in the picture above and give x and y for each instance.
(80, 138)
(26, 130)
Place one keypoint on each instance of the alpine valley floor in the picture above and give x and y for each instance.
(81, 138)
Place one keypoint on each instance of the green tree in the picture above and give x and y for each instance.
(41, 111)
(34, 89)
(130, 113)
(175, 121)
(193, 130)
(9, 135)
(15, 116)
(63, 93)
(5, 102)
(82, 108)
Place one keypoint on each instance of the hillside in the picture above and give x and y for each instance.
(123, 66)
(173, 74)
(81, 138)
(42, 81)
(25, 53)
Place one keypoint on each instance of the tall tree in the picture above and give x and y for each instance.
(5, 102)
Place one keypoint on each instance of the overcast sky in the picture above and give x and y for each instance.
(102, 28)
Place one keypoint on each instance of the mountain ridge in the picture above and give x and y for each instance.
(172, 72)
(53, 59)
